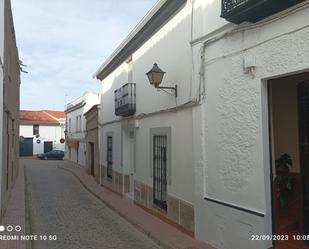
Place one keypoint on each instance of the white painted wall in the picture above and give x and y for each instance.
(171, 49)
(115, 131)
(47, 133)
(76, 133)
(79, 133)
(182, 170)
(171, 42)
(206, 18)
(232, 156)
(228, 142)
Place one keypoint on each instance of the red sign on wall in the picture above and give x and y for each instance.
(72, 143)
(62, 140)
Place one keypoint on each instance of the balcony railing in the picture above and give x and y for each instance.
(238, 11)
(125, 100)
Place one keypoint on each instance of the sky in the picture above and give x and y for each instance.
(63, 42)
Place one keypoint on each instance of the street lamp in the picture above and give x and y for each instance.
(155, 76)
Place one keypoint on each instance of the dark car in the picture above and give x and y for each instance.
(54, 154)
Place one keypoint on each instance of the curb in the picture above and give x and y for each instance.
(27, 209)
(157, 240)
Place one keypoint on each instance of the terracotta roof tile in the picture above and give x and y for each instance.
(40, 117)
(56, 114)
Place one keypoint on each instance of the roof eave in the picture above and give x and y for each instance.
(151, 21)
(137, 28)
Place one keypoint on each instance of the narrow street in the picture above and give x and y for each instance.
(59, 205)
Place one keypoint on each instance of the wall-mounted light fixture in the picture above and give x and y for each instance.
(155, 76)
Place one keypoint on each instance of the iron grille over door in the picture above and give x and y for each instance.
(110, 157)
(159, 171)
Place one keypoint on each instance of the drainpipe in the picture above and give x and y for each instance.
(99, 141)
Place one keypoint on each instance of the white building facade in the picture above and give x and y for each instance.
(241, 88)
(147, 154)
(252, 113)
(75, 149)
(41, 131)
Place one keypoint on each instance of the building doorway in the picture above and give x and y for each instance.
(110, 157)
(289, 131)
(91, 146)
(48, 146)
(26, 146)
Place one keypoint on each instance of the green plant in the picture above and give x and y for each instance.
(283, 179)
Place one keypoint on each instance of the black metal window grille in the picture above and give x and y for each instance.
(228, 5)
(159, 171)
(110, 157)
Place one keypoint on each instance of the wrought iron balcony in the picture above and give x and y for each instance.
(238, 11)
(125, 100)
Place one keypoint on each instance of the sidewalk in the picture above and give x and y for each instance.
(161, 232)
(15, 213)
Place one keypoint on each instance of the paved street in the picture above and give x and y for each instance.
(59, 205)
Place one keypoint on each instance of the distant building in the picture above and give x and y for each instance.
(41, 131)
(75, 149)
(92, 142)
(9, 104)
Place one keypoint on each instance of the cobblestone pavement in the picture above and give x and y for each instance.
(59, 205)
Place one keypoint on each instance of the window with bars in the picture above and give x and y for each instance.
(70, 124)
(159, 170)
(110, 157)
(77, 123)
(36, 129)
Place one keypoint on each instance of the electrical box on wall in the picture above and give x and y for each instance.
(249, 63)
(136, 123)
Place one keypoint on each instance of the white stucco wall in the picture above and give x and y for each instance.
(77, 155)
(171, 49)
(51, 133)
(181, 153)
(171, 42)
(115, 131)
(90, 99)
(74, 133)
(232, 164)
(206, 18)
(230, 148)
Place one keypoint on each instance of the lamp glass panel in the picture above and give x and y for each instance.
(157, 78)
(150, 78)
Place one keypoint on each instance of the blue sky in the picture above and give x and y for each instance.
(64, 42)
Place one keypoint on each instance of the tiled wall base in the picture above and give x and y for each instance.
(119, 183)
(178, 211)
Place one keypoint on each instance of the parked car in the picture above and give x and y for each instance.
(54, 154)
